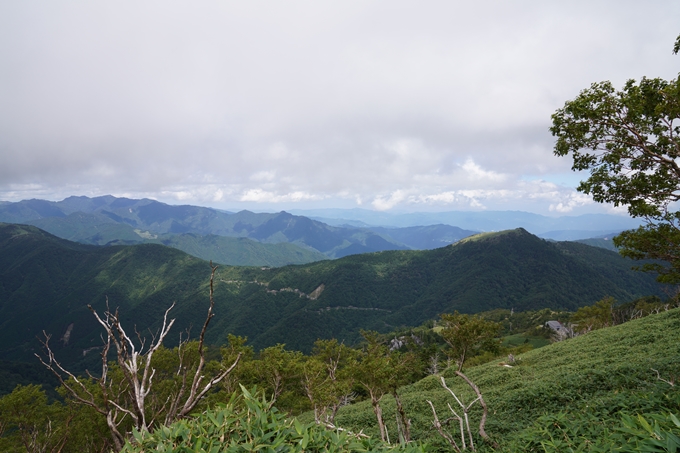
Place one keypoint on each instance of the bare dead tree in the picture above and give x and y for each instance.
(128, 396)
(463, 421)
(433, 367)
(485, 408)
(403, 422)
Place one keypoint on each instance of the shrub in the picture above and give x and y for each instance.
(245, 424)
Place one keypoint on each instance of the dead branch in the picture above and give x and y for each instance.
(403, 422)
(438, 426)
(195, 395)
(358, 435)
(81, 394)
(130, 399)
(670, 381)
(482, 403)
(464, 421)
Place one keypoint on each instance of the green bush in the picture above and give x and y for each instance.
(246, 425)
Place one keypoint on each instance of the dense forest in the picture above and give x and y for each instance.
(46, 284)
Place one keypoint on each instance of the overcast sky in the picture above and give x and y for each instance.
(390, 105)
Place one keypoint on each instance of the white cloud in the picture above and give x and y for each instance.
(388, 202)
(435, 105)
(475, 172)
(263, 196)
(572, 201)
(263, 176)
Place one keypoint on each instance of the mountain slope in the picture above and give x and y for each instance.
(46, 283)
(583, 382)
(512, 269)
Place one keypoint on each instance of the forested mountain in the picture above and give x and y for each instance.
(107, 219)
(512, 269)
(47, 282)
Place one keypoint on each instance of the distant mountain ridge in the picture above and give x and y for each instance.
(590, 225)
(210, 233)
(118, 219)
(425, 237)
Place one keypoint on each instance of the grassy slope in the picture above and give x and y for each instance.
(598, 374)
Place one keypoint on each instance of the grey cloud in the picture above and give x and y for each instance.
(303, 101)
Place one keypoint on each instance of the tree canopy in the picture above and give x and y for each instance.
(629, 141)
(466, 334)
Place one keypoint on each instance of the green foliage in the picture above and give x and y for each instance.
(607, 312)
(29, 423)
(278, 372)
(587, 431)
(595, 316)
(610, 389)
(469, 335)
(328, 378)
(243, 372)
(245, 424)
(628, 140)
(381, 371)
(660, 241)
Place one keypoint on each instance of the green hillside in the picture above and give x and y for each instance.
(576, 391)
(512, 269)
(47, 282)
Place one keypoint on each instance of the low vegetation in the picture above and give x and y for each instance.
(606, 389)
(610, 388)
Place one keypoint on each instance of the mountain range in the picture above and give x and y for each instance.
(559, 228)
(277, 239)
(107, 220)
(46, 284)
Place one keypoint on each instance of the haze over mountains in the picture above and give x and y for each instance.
(559, 228)
(276, 239)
